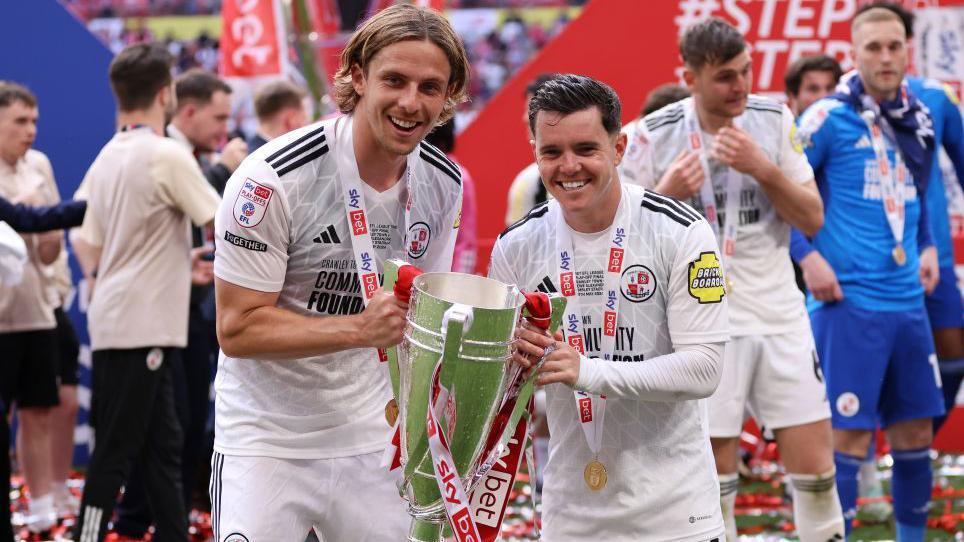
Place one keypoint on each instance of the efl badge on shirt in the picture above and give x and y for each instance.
(251, 203)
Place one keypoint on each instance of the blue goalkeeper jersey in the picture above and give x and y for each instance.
(948, 133)
(856, 239)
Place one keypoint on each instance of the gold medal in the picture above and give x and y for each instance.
(595, 475)
(729, 285)
(391, 412)
(900, 256)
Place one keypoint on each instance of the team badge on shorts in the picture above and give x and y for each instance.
(155, 357)
(637, 283)
(236, 537)
(705, 281)
(419, 235)
(251, 203)
(848, 404)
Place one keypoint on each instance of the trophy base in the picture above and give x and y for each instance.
(425, 531)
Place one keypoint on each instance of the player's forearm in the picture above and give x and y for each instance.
(273, 333)
(48, 246)
(797, 204)
(88, 256)
(692, 372)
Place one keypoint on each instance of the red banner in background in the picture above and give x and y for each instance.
(779, 31)
(252, 39)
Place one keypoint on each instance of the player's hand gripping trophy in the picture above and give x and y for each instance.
(463, 407)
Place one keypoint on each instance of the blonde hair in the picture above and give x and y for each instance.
(402, 22)
(874, 15)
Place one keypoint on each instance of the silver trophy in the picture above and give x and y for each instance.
(464, 326)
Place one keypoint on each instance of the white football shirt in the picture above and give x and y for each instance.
(282, 228)
(662, 477)
(765, 298)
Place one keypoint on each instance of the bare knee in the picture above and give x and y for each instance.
(726, 452)
(910, 434)
(806, 448)
(853, 442)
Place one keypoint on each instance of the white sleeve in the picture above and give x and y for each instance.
(440, 251)
(692, 372)
(636, 166)
(792, 160)
(696, 306)
(252, 229)
(499, 267)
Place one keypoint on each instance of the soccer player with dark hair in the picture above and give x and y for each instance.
(734, 154)
(644, 326)
(808, 79)
(143, 190)
(305, 227)
(871, 145)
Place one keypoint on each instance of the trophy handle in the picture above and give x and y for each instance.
(400, 283)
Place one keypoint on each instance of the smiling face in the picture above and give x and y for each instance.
(722, 89)
(18, 129)
(577, 161)
(880, 54)
(402, 94)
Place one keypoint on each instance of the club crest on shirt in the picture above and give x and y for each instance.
(705, 281)
(155, 357)
(251, 203)
(419, 236)
(637, 283)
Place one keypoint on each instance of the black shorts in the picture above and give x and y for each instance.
(68, 350)
(28, 368)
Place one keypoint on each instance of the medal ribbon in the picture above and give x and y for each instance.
(591, 407)
(447, 477)
(892, 189)
(361, 243)
(733, 182)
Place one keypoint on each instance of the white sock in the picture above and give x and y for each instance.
(816, 507)
(728, 485)
(42, 515)
(867, 480)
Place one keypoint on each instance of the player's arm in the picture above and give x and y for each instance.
(252, 236)
(183, 186)
(953, 136)
(698, 322)
(249, 325)
(788, 184)
(439, 255)
(87, 240)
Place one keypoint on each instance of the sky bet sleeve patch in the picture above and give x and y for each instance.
(706, 278)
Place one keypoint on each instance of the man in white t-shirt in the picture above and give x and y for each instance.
(629, 457)
(307, 223)
(143, 192)
(736, 156)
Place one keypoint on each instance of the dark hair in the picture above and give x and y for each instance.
(817, 63)
(11, 92)
(396, 23)
(443, 136)
(662, 96)
(906, 16)
(539, 80)
(568, 93)
(713, 41)
(275, 97)
(138, 73)
(198, 86)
